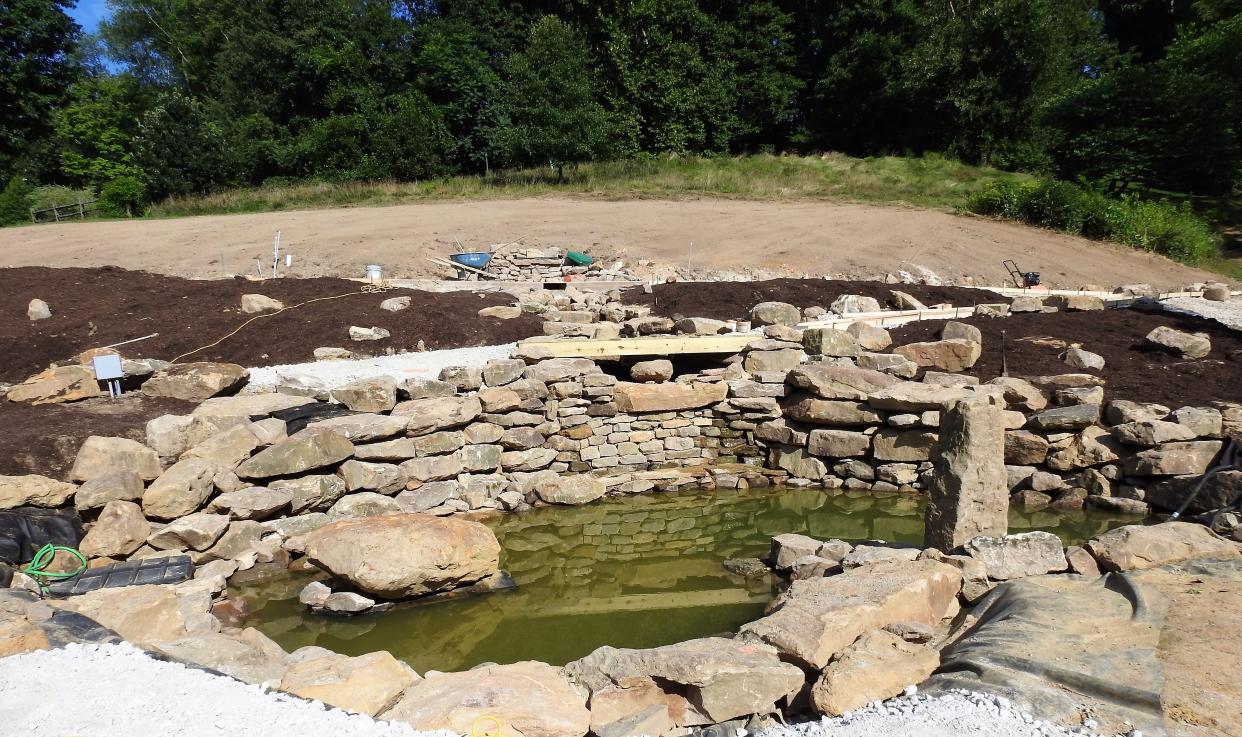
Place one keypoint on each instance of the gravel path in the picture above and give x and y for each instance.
(331, 374)
(118, 691)
(1226, 313)
(956, 714)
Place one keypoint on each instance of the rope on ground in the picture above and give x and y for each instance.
(366, 289)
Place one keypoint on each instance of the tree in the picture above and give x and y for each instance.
(36, 69)
(552, 114)
(94, 131)
(181, 150)
(15, 201)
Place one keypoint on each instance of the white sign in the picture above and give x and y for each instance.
(108, 367)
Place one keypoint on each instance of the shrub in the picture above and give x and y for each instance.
(54, 194)
(15, 201)
(123, 196)
(1158, 226)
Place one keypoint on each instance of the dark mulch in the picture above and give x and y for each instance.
(95, 307)
(1131, 371)
(733, 300)
(45, 438)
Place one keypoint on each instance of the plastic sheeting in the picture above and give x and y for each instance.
(26, 529)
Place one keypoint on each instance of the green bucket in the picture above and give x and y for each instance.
(578, 258)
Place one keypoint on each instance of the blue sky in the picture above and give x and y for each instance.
(88, 13)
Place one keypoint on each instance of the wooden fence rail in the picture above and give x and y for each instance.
(63, 212)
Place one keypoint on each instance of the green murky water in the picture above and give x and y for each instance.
(636, 571)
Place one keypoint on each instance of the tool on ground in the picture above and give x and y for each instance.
(37, 567)
(1230, 460)
(1021, 279)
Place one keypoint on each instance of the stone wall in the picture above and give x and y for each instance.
(548, 264)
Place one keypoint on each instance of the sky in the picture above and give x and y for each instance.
(88, 13)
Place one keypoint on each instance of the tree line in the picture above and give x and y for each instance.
(176, 97)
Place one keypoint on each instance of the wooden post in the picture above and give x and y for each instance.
(33, 217)
(81, 211)
(56, 212)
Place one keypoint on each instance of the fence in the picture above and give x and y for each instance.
(77, 210)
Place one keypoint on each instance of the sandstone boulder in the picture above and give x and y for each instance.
(574, 489)
(1149, 433)
(700, 326)
(255, 303)
(915, 396)
(196, 382)
(57, 385)
(197, 531)
(1018, 556)
(372, 394)
(34, 490)
(1081, 359)
(255, 502)
(247, 655)
(438, 413)
(838, 443)
(773, 360)
(653, 371)
(775, 313)
(1136, 547)
(141, 614)
(876, 666)
(838, 382)
(668, 397)
(501, 312)
(359, 334)
(850, 304)
(1178, 343)
(120, 530)
(399, 555)
(362, 428)
(1173, 459)
(817, 618)
(99, 456)
(943, 355)
(299, 453)
(830, 342)
(720, 678)
(1075, 417)
(366, 684)
(870, 337)
(180, 490)
(837, 413)
(530, 699)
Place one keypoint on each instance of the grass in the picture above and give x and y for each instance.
(928, 181)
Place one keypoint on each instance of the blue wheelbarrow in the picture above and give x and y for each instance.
(476, 260)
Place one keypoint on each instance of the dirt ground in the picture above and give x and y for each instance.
(1034, 343)
(96, 307)
(45, 438)
(733, 300)
(816, 238)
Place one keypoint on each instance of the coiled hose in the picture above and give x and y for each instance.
(37, 567)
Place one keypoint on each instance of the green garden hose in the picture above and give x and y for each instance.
(43, 558)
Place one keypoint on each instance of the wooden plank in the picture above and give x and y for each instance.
(653, 346)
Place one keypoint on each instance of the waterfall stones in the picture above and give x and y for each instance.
(969, 495)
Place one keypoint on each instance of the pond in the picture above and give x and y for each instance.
(636, 571)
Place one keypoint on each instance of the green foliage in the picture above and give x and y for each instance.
(94, 131)
(15, 201)
(1159, 226)
(36, 68)
(49, 195)
(123, 196)
(552, 116)
(181, 149)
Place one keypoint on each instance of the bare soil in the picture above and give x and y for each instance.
(1034, 343)
(45, 438)
(843, 240)
(97, 307)
(733, 300)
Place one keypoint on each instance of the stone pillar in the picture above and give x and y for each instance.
(969, 493)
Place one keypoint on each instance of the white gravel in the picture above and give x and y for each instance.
(955, 714)
(1227, 313)
(119, 691)
(331, 374)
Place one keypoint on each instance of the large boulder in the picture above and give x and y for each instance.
(393, 556)
(1177, 343)
(573, 489)
(529, 698)
(366, 684)
(196, 382)
(57, 385)
(1174, 459)
(915, 396)
(197, 531)
(1018, 556)
(252, 304)
(120, 530)
(775, 313)
(850, 304)
(34, 490)
(877, 666)
(180, 490)
(1135, 547)
(363, 428)
(668, 397)
(141, 614)
(652, 371)
(438, 413)
(968, 491)
(247, 655)
(830, 342)
(299, 453)
(99, 456)
(255, 502)
(838, 382)
(943, 355)
(1075, 417)
(817, 618)
(1149, 433)
(372, 394)
(832, 412)
(720, 679)
(838, 443)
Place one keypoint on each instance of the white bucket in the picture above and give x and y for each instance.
(374, 273)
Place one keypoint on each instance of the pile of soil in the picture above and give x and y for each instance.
(734, 300)
(1131, 371)
(45, 438)
(96, 307)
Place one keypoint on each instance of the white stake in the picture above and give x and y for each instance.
(276, 255)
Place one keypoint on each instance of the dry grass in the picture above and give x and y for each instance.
(930, 181)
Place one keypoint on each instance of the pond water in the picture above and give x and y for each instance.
(636, 571)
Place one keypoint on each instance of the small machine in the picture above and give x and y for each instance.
(1021, 279)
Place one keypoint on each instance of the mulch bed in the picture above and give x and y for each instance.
(96, 307)
(1130, 371)
(45, 438)
(733, 300)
